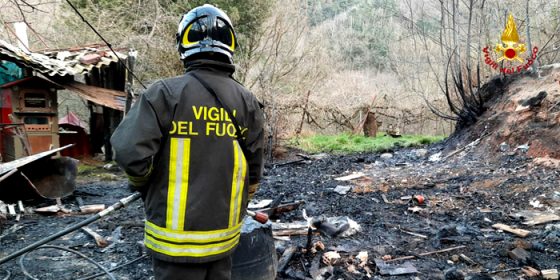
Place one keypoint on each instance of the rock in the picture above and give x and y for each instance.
(504, 147)
(421, 153)
(549, 274)
(454, 274)
(435, 157)
(342, 189)
(520, 255)
(523, 148)
(455, 258)
(535, 100)
(386, 156)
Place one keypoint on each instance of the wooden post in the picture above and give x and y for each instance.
(131, 59)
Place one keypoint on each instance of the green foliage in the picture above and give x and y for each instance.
(428, 26)
(85, 169)
(346, 143)
(247, 15)
(321, 10)
(150, 27)
(362, 35)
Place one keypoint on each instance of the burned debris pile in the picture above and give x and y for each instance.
(484, 204)
(418, 218)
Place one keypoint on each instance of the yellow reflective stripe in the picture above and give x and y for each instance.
(178, 184)
(237, 184)
(191, 236)
(234, 185)
(241, 183)
(171, 182)
(188, 250)
(140, 180)
(185, 162)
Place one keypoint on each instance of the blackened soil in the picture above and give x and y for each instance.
(124, 229)
(464, 197)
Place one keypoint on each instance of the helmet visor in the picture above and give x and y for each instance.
(224, 34)
(195, 32)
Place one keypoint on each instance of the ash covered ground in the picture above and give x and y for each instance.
(465, 195)
(503, 169)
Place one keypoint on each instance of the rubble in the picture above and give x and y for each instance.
(488, 211)
(394, 270)
(330, 258)
(549, 274)
(342, 189)
(516, 231)
(530, 272)
(520, 255)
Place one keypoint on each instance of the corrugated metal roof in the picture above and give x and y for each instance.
(60, 62)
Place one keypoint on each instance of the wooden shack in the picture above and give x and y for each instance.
(28, 117)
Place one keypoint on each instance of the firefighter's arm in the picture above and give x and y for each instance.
(255, 147)
(137, 139)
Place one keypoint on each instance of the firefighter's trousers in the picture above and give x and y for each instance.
(216, 270)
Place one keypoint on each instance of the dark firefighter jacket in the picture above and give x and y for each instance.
(179, 148)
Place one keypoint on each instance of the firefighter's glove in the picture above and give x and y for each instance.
(252, 190)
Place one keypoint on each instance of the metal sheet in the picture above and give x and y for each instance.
(43, 178)
(9, 166)
(107, 97)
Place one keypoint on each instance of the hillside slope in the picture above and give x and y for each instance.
(521, 110)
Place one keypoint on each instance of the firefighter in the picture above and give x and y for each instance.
(193, 146)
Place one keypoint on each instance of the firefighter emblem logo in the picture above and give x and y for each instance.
(510, 48)
(510, 51)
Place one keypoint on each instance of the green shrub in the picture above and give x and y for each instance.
(346, 143)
